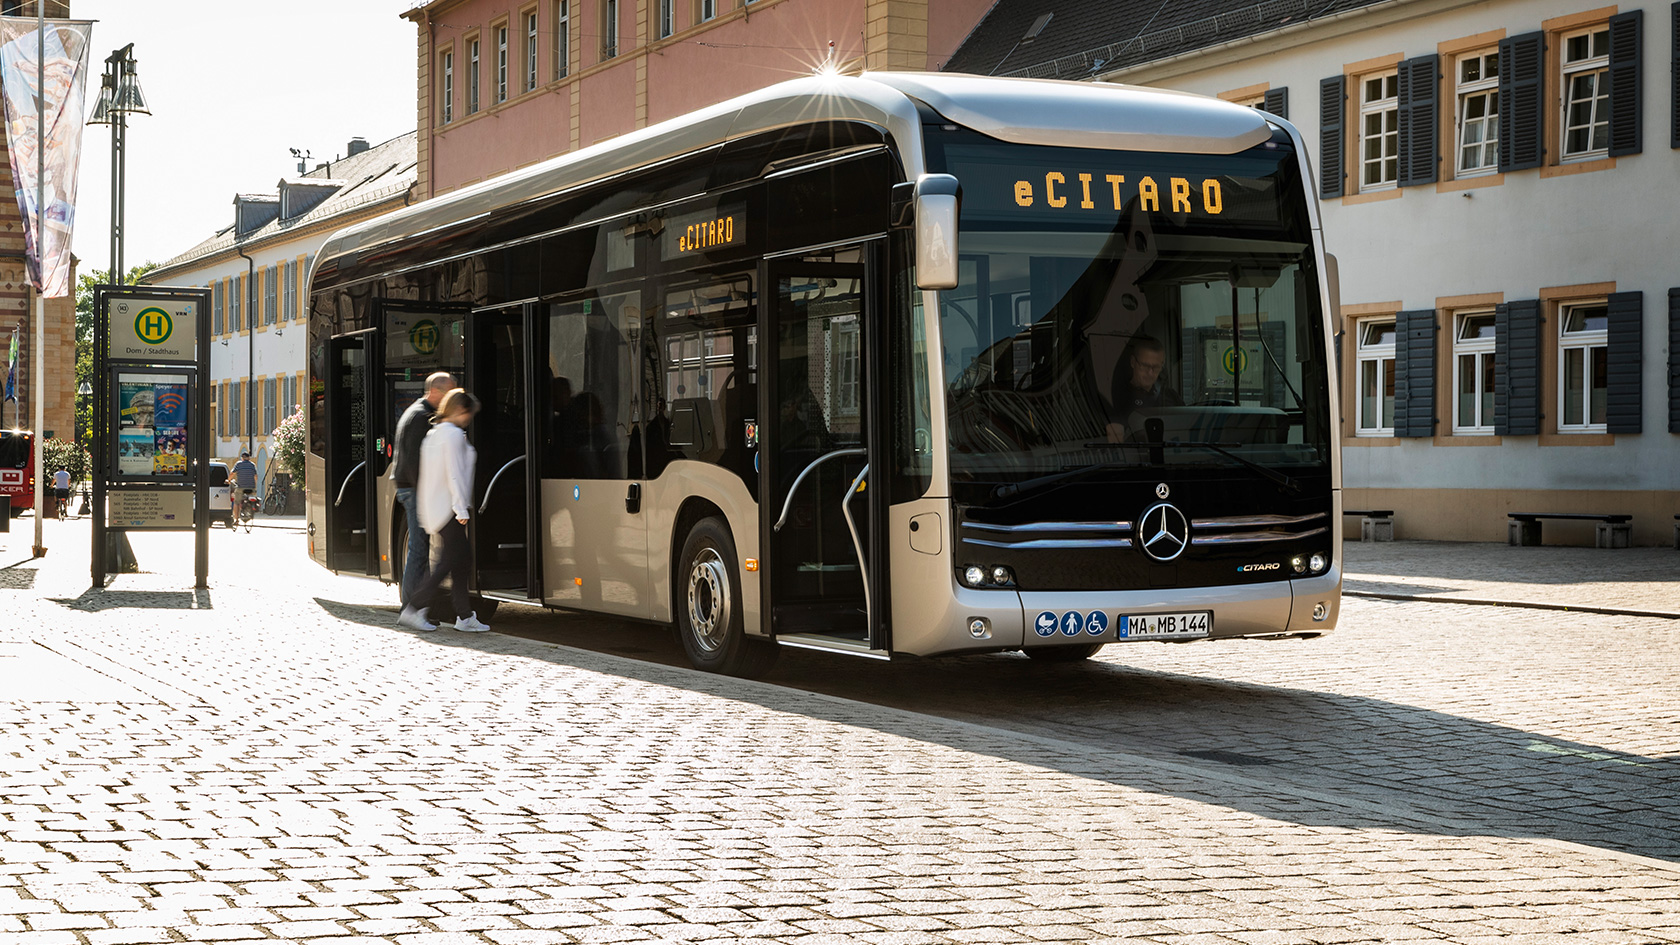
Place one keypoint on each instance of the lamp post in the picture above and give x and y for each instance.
(119, 96)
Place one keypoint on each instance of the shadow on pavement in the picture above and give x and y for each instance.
(97, 599)
(1313, 758)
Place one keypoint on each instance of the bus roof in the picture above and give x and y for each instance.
(1026, 111)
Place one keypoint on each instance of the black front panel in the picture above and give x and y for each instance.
(1090, 536)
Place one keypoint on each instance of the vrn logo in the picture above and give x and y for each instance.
(1271, 566)
(153, 326)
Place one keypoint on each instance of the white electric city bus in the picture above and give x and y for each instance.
(882, 364)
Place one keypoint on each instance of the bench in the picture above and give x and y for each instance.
(1375, 524)
(1613, 531)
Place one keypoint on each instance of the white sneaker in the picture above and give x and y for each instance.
(415, 619)
(470, 624)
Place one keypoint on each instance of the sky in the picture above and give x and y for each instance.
(232, 86)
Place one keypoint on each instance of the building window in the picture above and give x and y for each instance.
(1376, 378)
(236, 307)
(218, 293)
(1379, 131)
(1586, 93)
(447, 109)
(271, 283)
(609, 28)
(473, 73)
(269, 405)
(1473, 373)
(1584, 364)
(288, 290)
(501, 63)
(562, 38)
(235, 411)
(1478, 113)
(667, 17)
(708, 9)
(530, 50)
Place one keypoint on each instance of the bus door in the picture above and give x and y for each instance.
(352, 461)
(420, 339)
(825, 574)
(498, 362)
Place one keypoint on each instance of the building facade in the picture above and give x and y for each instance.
(507, 83)
(257, 269)
(1494, 180)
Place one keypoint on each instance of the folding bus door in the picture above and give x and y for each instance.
(353, 462)
(822, 521)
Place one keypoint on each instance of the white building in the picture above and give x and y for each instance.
(1496, 183)
(258, 268)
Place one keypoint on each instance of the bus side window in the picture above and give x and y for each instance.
(592, 386)
(707, 341)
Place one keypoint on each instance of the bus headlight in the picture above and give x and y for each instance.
(1318, 562)
(985, 576)
(1299, 564)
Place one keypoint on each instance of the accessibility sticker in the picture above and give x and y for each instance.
(1072, 622)
(1045, 624)
(1096, 623)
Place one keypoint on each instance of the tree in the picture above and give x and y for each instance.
(59, 453)
(288, 444)
(84, 337)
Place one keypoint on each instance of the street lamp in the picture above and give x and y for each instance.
(119, 95)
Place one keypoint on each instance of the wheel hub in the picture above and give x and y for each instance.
(708, 601)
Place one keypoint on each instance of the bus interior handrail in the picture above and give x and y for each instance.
(346, 487)
(485, 502)
(793, 490)
(851, 526)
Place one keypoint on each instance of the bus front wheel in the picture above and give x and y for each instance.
(708, 605)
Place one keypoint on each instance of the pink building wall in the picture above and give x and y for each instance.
(744, 47)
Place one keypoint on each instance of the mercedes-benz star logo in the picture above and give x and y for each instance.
(1164, 531)
(1161, 491)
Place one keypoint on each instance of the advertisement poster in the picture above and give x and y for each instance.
(151, 426)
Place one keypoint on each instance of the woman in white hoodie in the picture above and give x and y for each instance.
(443, 492)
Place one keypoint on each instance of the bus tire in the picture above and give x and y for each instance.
(1072, 653)
(708, 605)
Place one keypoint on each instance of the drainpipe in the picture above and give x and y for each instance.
(251, 348)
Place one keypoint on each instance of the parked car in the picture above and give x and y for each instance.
(221, 495)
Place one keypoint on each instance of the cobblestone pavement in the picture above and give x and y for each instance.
(1632, 579)
(271, 759)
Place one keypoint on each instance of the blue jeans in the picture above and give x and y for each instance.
(419, 547)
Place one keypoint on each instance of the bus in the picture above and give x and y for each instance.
(897, 364)
(17, 470)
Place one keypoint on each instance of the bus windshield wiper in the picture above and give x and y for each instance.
(1289, 484)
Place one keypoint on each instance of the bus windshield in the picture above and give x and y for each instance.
(15, 450)
(1128, 311)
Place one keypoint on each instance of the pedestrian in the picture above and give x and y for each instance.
(405, 472)
(444, 493)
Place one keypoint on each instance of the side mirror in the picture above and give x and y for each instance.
(938, 201)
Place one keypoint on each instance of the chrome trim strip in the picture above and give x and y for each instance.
(1249, 538)
(1250, 521)
(1062, 543)
(1052, 527)
(811, 641)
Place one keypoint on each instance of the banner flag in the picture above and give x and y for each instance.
(66, 46)
(11, 371)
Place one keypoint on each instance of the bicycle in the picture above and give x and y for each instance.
(275, 502)
(63, 500)
(247, 510)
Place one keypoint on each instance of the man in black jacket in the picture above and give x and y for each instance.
(405, 472)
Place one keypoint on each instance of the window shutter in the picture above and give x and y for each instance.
(1522, 106)
(1626, 126)
(1277, 102)
(1674, 360)
(1516, 361)
(1414, 373)
(1420, 85)
(1674, 78)
(1625, 357)
(1332, 99)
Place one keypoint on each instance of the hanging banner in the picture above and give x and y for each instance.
(46, 234)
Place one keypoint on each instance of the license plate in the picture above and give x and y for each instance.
(1186, 625)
